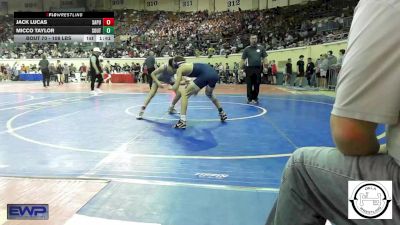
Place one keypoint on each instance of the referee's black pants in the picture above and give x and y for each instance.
(46, 77)
(253, 81)
(149, 79)
(93, 78)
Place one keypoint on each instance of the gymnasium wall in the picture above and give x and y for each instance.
(203, 5)
(25, 5)
(192, 6)
(277, 3)
(262, 4)
(40, 5)
(3, 7)
(189, 5)
(159, 5)
(279, 56)
(233, 5)
(294, 2)
(149, 5)
(116, 4)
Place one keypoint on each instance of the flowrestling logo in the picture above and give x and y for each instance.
(370, 200)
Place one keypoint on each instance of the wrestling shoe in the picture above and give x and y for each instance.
(140, 115)
(180, 125)
(223, 116)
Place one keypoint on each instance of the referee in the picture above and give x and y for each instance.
(95, 71)
(44, 67)
(254, 58)
(150, 63)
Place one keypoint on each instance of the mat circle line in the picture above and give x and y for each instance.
(263, 112)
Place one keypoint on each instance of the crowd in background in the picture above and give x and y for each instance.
(201, 33)
(317, 73)
(68, 70)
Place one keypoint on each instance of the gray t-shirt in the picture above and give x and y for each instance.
(254, 55)
(331, 60)
(366, 91)
(150, 62)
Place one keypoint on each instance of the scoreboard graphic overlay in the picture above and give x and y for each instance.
(63, 27)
